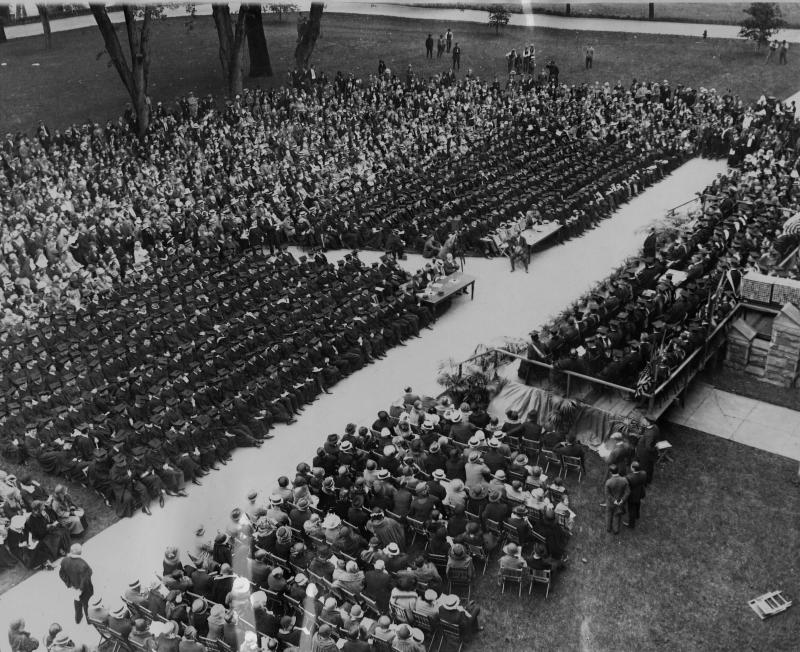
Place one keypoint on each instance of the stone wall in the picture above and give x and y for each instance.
(784, 350)
(737, 353)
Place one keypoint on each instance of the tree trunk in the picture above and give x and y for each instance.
(133, 76)
(222, 21)
(651, 10)
(260, 65)
(5, 18)
(48, 39)
(231, 46)
(307, 34)
(568, 9)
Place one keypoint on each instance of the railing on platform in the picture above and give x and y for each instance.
(672, 210)
(666, 392)
(792, 257)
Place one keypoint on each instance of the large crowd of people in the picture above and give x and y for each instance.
(641, 323)
(140, 349)
(379, 163)
(153, 320)
(157, 383)
(377, 538)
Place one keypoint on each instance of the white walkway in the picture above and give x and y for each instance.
(505, 305)
(748, 421)
(397, 9)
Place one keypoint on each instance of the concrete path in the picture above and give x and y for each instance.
(744, 420)
(450, 15)
(505, 304)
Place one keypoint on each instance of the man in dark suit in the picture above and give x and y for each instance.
(378, 585)
(572, 448)
(617, 491)
(77, 575)
(637, 479)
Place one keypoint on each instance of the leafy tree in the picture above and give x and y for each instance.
(134, 73)
(498, 17)
(764, 20)
(307, 34)
(280, 8)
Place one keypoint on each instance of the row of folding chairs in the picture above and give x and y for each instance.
(529, 576)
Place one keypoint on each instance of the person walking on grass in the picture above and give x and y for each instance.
(782, 52)
(440, 46)
(589, 57)
(449, 39)
(456, 57)
(77, 576)
(429, 47)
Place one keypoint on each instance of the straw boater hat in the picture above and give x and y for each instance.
(450, 601)
(331, 521)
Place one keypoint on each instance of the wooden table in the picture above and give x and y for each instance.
(448, 286)
(538, 233)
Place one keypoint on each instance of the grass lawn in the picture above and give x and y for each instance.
(70, 84)
(99, 516)
(720, 526)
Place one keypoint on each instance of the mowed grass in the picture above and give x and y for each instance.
(71, 84)
(720, 526)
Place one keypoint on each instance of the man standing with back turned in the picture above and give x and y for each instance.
(77, 575)
(636, 480)
(617, 492)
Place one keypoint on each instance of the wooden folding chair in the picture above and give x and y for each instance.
(279, 561)
(451, 633)
(394, 516)
(459, 577)
(511, 533)
(440, 561)
(380, 645)
(119, 643)
(572, 462)
(370, 605)
(479, 554)
(473, 517)
(399, 614)
(540, 577)
(549, 458)
(535, 514)
(562, 518)
(497, 530)
(513, 576)
(106, 640)
(428, 626)
(417, 527)
(531, 448)
(516, 475)
(274, 600)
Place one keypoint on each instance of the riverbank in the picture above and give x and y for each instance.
(713, 13)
